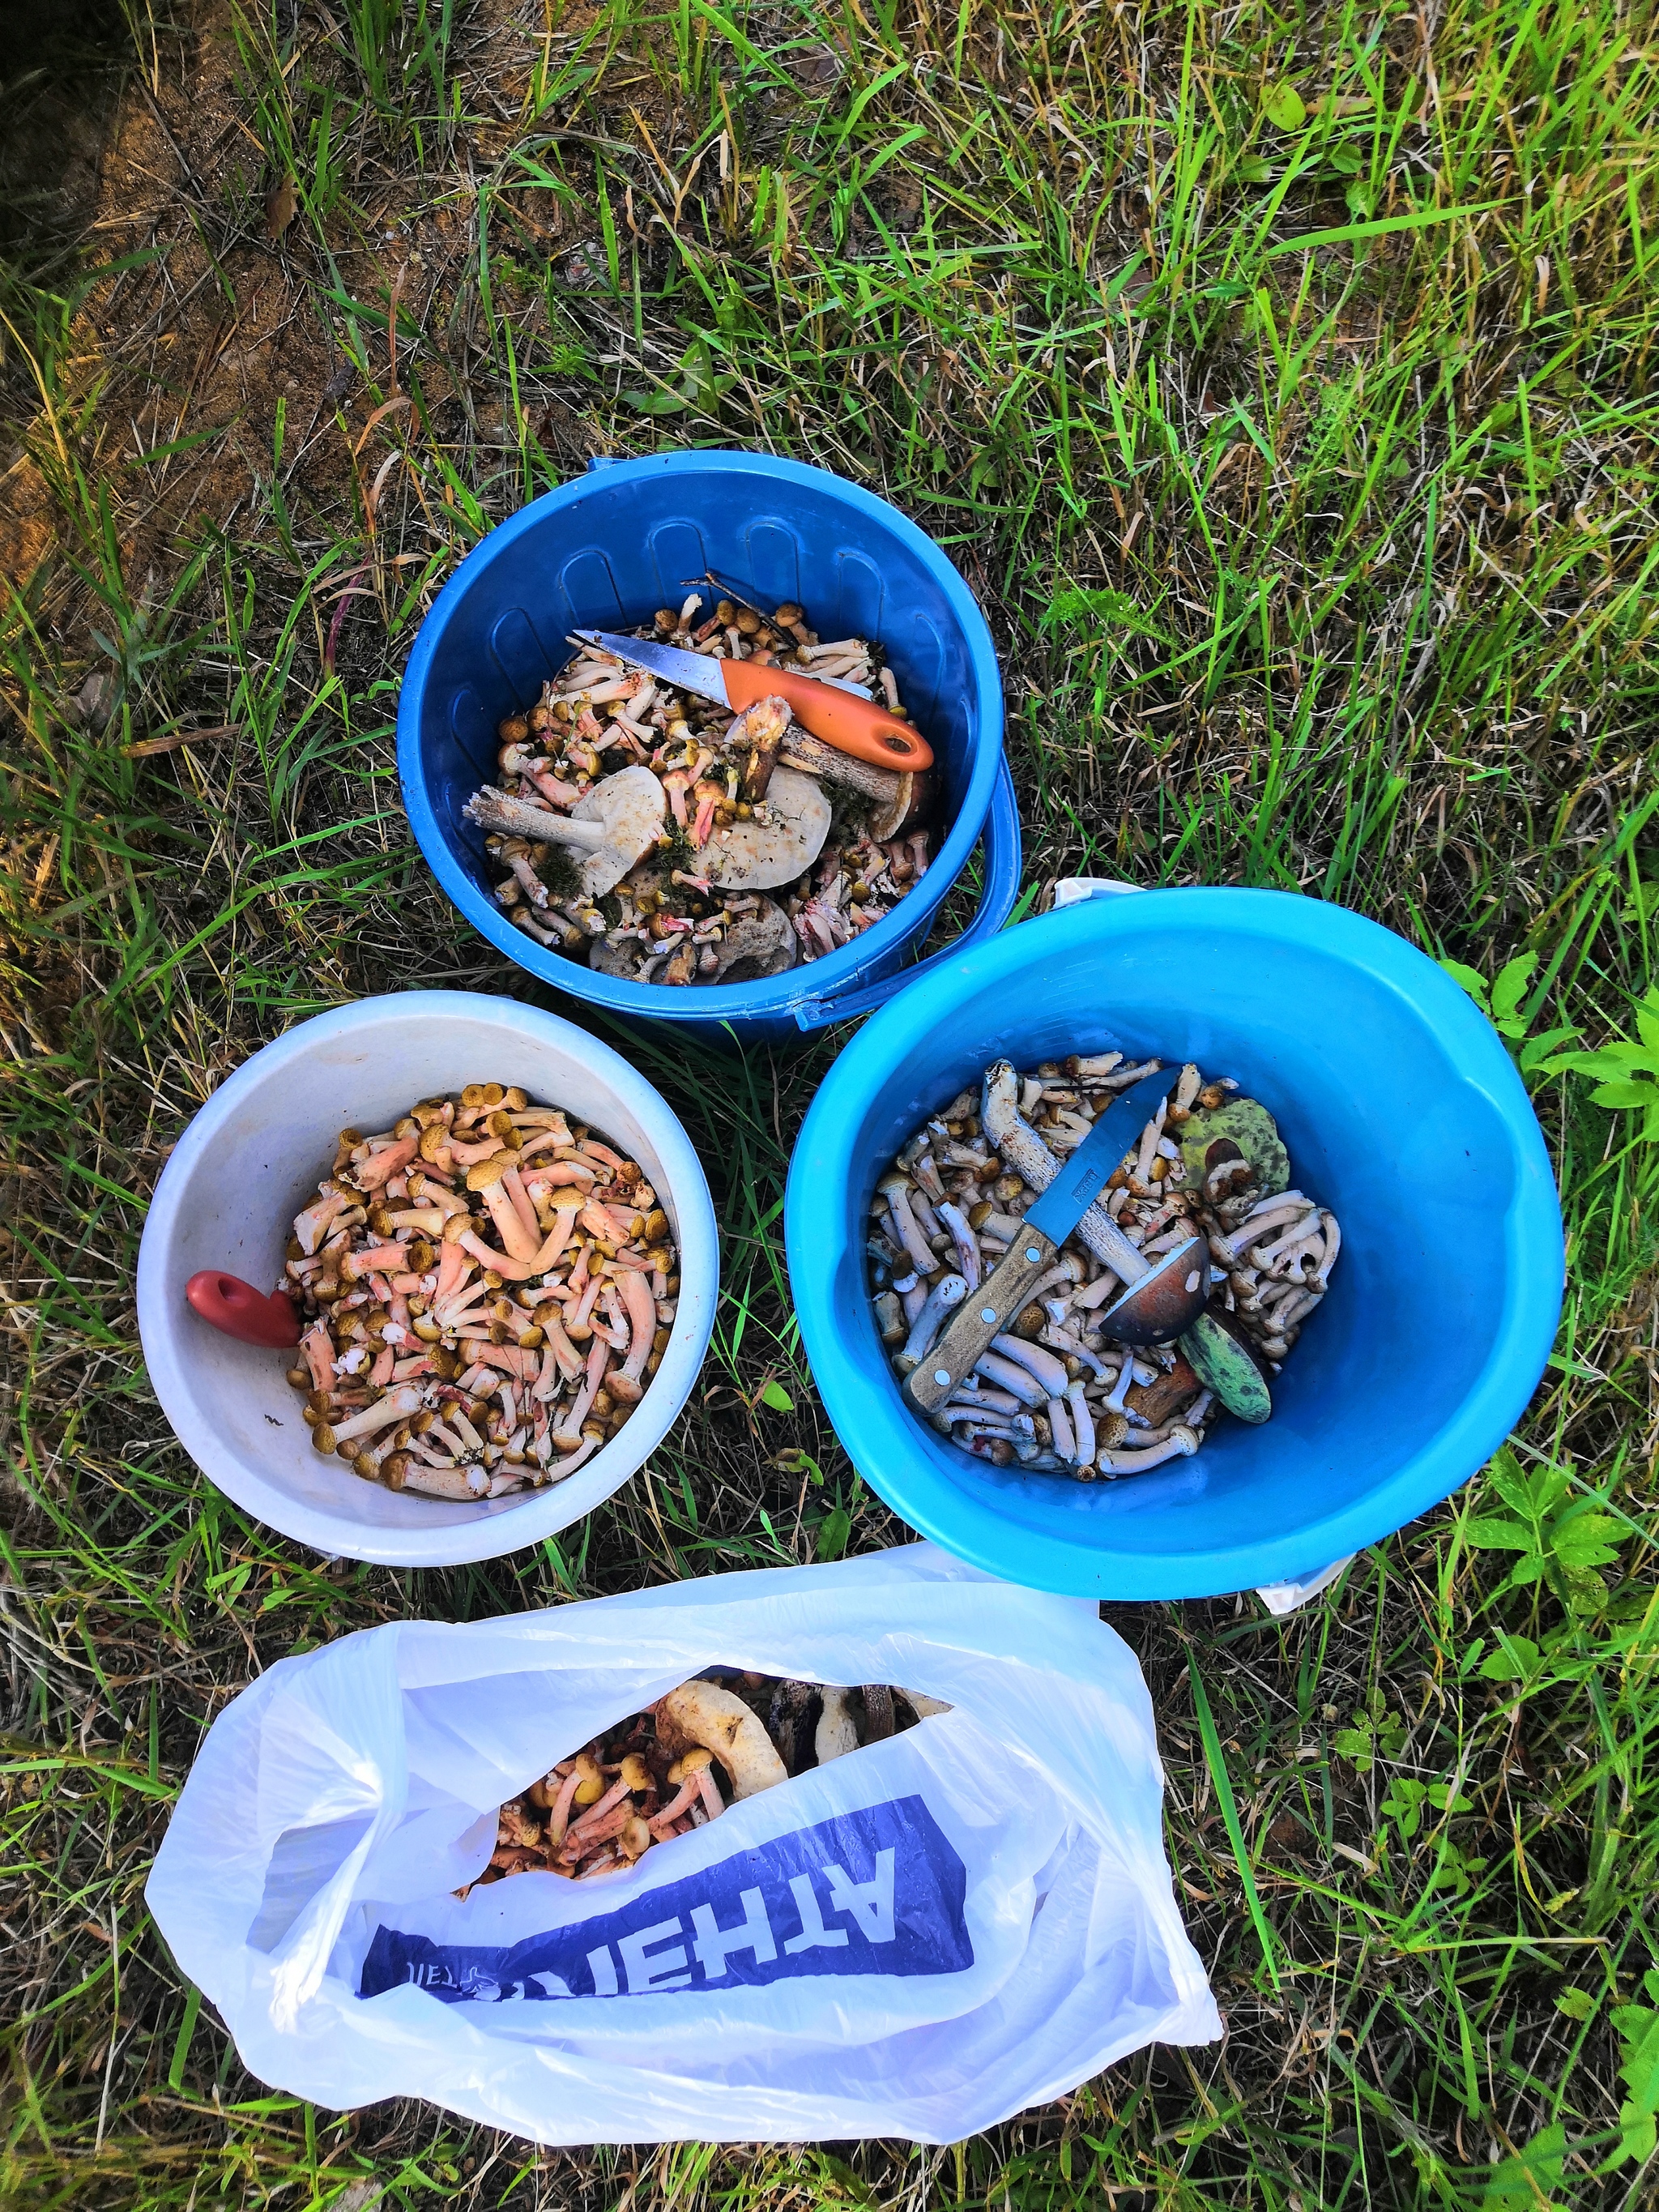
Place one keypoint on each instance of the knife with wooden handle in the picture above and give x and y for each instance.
(988, 1311)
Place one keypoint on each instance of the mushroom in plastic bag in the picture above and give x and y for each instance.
(914, 1934)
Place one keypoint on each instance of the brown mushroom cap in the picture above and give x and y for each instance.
(609, 959)
(759, 856)
(764, 940)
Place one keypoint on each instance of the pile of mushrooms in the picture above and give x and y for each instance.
(663, 1772)
(657, 837)
(489, 1288)
(1055, 1394)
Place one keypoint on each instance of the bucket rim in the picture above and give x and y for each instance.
(166, 1329)
(869, 956)
(824, 1160)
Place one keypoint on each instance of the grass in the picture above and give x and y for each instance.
(1282, 381)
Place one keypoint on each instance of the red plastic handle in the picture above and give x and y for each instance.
(238, 1309)
(852, 724)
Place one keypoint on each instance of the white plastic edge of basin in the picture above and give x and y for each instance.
(191, 1363)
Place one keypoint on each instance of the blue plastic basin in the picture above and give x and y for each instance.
(1402, 1111)
(607, 550)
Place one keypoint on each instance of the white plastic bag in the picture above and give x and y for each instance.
(918, 1940)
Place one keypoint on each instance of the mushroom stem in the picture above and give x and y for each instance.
(837, 1730)
(461, 1483)
(1060, 1427)
(1011, 1377)
(522, 1244)
(1320, 1278)
(558, 1819)
(1249, 1232)
(397, 1406)
(1181, 1443)
(950, 1291)
(963, 1239)
(1082, 1424)
(519, 1198)
(1041, 1365)
(1037, 1166)
(1114, 1399)
(515, 818)
(642, 1311)
(906, 1228)
(517, 1271)
(1298, 1232)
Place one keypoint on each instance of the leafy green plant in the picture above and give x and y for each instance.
(1376, 1732)
(1637, 2027)
(1500, 1001)
(1561, 1540)
(699, 388)
(1523, 2178)
(1409, 1803)
(1626, 1071)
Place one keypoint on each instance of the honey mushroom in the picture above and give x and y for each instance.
(656, 1775)
(1057, 1392)
(489, 1290)
(639, 828)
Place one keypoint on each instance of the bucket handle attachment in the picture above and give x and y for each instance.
(236, 1308)
(997, 893)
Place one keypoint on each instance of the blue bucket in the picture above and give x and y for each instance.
(605, 552)
(1402, 1110)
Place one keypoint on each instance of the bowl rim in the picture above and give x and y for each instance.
(874, 953)
(543, 1512)
(824, 1160)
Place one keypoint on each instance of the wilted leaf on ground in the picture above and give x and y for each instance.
(282, 202)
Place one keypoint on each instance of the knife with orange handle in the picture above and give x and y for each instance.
(851, 725)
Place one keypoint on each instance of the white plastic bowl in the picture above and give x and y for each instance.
(244, 1166)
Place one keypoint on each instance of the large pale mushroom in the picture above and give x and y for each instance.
(761, 854)
(612, 826)
(702, 1713)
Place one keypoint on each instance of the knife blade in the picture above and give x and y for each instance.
(853, 725)
(988, 1311)
(1084, 1176)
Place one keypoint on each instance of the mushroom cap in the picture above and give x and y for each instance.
(1226, 1365)
(759, 856)
(766, 938)
(629, 808)
(703, 1713)
(690, 1762)
(482, 1173)
(1164, 1302)
(1244, 1122)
